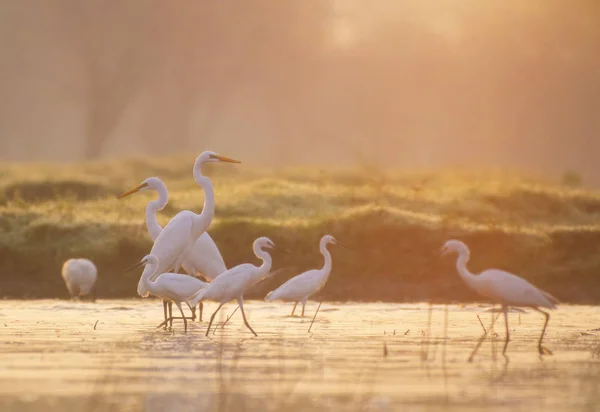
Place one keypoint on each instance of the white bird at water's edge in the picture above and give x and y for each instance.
(172, 287)
(303, 286)
(176, 240)
(204, 259)
(504, 288)
(234, 282)
(80, 276)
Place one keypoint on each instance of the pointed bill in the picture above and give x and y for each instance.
(132, 191)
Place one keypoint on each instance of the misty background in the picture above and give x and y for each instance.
(404, 84)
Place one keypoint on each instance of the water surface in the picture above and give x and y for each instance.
(108, 355)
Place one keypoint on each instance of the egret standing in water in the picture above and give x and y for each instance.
(204, 260)
(172, 287)
(503, 288)
(303, 286)
(176, 240)
(79, 276)
(234, 282)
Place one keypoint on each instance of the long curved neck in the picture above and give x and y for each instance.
(265, 268)
(327, 255)
(461, 266)
(154, 228)
(203, 220)
(149, 272)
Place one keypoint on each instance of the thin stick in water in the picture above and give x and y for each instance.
(94, 325)
(313, 319)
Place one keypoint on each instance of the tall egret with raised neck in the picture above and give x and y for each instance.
(176, 240)
(504, 288)
(234, 282)
(205, 259)
(172, 287)
(303, 286)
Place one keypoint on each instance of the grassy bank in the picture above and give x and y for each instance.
(394, 222)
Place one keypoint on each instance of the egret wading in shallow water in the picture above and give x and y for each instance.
(303, 286)
(176, 240)
(79, 276)
(234, 282)
(503, 288)
(204, 260)
(171, 287)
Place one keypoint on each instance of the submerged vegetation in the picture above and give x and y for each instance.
(395, 224)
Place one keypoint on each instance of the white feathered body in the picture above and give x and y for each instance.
(79, 275)
(177, 287)
(204, 259)
(230, 284)
(171, 246)
(511, 290)
(301, 287)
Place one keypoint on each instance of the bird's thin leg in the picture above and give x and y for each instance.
(200, 309)
(505, 310)
(241, 304)
(303, 305)
(182, 316)
(192, 309)
(482, 338)
(541, 349)
(170, 306)
(293, 310)
(166, 317)
(213, 318)
(229, 317)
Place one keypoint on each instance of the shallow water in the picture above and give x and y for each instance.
(52, 358)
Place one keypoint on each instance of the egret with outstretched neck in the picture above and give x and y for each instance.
(172, 287)
(234, 282)
(504, 288)
(303, 286)
(205, 260)
(176, 240)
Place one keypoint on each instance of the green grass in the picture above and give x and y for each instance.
(395, 223)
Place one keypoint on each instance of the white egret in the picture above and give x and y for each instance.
(503, 288)
(234, 282)
(303, 286)
(205, 259)
(176, 240)
(172, 287)
(80, 276)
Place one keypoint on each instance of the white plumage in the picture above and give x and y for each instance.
(232, 283)
(504, 288)
(204, 259)
(303, 286)
(172, 287)
(80, 276)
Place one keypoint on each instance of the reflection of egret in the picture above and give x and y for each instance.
(504, 288)
(303, 286)
(232, 283)
(205, 259)
(79, 276)
(176, 240)
(172, 287)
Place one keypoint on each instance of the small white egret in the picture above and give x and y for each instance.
(172, 287)
(303, 286)
(176, 240)
(234, 282)
(205, 259)
(503, 288)
(79, 276)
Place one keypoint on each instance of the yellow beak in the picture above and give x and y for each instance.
(132, 191)
(225, 159)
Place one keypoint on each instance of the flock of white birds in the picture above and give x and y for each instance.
(184, 243)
